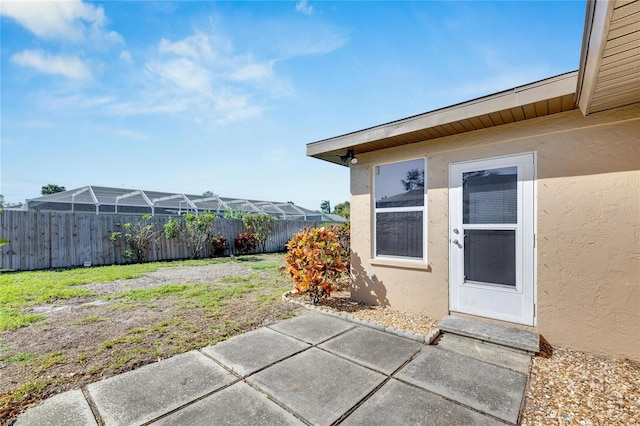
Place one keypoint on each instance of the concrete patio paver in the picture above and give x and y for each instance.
(515, 338)
(375, 349)
(146, 393)
(239, 404)
(317, 386)
(312, 327)
(252, 351)
(312, 369)
(498, 355)
(70, 408)
(477, 384)
(397, 403)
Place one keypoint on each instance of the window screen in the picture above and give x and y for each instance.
(490, 256)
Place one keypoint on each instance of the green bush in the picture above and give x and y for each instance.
(194, 231)
(261, 226)
(139, 237)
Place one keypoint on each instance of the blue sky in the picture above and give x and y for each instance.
(224, 96)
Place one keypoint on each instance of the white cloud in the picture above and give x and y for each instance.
(39, 124)
(131, 134)
(183, 74)
(202, 73)
(66, 20)
(125, 55)
(253, 71)
(197, 47)
(67, 66)
(303, 7)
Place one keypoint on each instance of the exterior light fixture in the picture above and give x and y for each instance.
(349, 156)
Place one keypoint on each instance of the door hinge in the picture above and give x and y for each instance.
(534, 310)
(535, 237)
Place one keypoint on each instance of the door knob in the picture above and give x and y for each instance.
(456, 242)
(455, 231)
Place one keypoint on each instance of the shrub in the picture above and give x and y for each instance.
(139, 237)
(245, 243)
(194, 231)
(261, 226)
(220, 244)
(344, 237)
(317, 261)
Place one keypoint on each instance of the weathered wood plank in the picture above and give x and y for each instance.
(43, 240)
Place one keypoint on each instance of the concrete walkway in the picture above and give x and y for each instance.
(312, 369)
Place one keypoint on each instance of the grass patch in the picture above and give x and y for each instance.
(265, 266)
(123, 358)
(32, 387)
(123, 340)
(12, 318)
(46, 361)
(21, 357)
(195, 296)
(151, 294)
(91, 319)
(232, 280)
(23, 289)
(287, 315)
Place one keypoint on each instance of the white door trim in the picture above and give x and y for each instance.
(498, 302)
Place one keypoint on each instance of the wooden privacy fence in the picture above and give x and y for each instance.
(49, 240)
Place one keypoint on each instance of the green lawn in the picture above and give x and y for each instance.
(21, 290)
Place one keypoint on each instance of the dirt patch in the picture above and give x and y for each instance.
(85, 339)
(175, 275)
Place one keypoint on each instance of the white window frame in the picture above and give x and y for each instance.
(423, 209)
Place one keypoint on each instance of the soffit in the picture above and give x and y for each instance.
(610, 62)
(550, 96)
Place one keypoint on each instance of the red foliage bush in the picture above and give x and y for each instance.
(317, 261)
(245, 243)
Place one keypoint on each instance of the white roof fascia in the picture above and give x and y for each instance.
(597, 21)
(535, 92)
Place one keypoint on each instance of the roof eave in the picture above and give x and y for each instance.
(597, 20)
(409, 130)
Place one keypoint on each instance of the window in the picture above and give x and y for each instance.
(399, 212)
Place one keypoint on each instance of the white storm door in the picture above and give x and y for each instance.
(491, 238)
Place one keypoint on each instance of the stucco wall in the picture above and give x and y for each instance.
(588, 226)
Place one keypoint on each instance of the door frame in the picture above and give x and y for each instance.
(528, 270)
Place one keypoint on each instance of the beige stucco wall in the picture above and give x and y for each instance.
(588, 226)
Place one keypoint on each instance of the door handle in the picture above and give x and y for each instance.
(456, 242)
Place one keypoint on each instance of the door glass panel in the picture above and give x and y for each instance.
(490, 196)
(490, 256)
